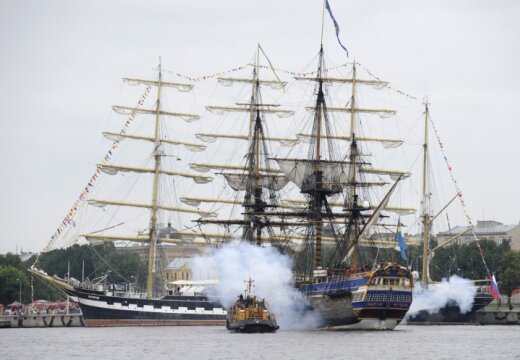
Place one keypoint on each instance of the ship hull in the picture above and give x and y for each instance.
(370, 324)
(372, 300)
(100, 310)
(344, 314)
(451, 313)
(253, 326)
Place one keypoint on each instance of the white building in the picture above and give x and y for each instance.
(485, 230)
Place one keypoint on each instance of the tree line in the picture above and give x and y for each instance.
(90, 262)
(84, 262)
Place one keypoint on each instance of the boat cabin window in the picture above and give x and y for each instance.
(391, 281)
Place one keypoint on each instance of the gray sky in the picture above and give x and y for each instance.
(61, 64)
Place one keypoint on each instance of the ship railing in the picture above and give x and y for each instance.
(91, 286)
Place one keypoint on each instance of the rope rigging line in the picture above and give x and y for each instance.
(460, 196)
(68, 220)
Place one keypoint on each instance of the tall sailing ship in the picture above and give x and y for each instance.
(322, 207)
(350, 288)
(451, 312)
(110, 304)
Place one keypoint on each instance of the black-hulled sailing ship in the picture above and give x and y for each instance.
(123, 304)
(451, 312)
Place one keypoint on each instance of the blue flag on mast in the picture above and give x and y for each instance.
(402, 245)
(335, 25)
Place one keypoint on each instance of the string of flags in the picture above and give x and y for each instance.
(389, 86)
(297, 74)
(461, 197)
(270, 67)
(292, 73)
(206, 77)
(69, 218)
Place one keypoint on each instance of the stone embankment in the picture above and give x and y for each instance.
(498, 317)
(41, 320)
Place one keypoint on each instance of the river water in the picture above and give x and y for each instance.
(405, 342)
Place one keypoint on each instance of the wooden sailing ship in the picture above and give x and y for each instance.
(346, 292)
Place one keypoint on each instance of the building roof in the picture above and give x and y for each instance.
(486, 227)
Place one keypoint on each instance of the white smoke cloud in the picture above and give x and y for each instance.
(456, 290)
(271, 271)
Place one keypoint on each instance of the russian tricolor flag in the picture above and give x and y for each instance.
(493, 287)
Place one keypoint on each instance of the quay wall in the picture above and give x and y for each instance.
(41, 320)
(498, 317)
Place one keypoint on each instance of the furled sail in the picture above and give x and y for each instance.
(287, 142)
(179, 86)
(390, 208)
(120, 137)
(101, 203)
(194, 201)
(387, 143)
(114, 169)
(127, 110)
(145, 239)
(377, 84)
(219, 110)
(394, 174)
(382, 113)
(275, 84)
(205, 167)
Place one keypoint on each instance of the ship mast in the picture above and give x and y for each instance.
(426, 218)
(256, 174)
(258, 189)
(353, 197)
(318, 195)
(254, 228)
(153, 236)
(157, 169)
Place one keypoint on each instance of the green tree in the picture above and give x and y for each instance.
(10, 259)
(466, 260)
(92, 262)
(510, 278)
(11, 281)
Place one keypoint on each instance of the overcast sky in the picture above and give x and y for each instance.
(61, 64)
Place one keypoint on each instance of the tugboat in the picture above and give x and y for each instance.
(249, 314)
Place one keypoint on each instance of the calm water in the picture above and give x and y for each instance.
(406, 342)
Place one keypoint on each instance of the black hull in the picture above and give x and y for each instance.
(451, 314)
(105, 310)
(253, 326)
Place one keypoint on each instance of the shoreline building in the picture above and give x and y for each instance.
(485, 230)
